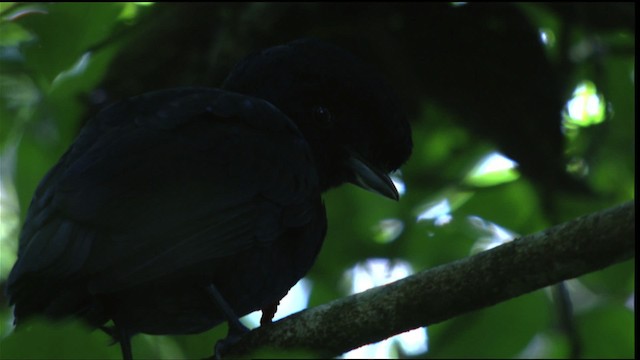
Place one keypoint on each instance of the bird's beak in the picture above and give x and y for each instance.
(370, 178)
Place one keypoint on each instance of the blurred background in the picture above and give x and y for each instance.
(523, 117)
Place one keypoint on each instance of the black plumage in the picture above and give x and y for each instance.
(179, 209)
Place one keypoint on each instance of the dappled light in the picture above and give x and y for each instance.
(388, 230)
(76, 70)
(585, 298)
(586, 108)
(493, 169)
(130, 10)
(440, 213)
(376, 272)
(548, 37)
(296, 300)
(396, 177)
(8, 225)
(578, 166)
(494, 235)
(631, 302)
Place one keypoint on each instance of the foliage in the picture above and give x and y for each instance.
(476, 80)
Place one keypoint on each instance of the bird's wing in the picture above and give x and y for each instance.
(167, 180)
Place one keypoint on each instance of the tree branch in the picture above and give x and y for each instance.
(565, 251)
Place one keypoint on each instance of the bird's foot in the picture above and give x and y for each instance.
(268, 313)
(223, 346)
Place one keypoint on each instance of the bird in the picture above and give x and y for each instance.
(179, 209)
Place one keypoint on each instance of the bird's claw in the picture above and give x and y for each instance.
(223, 346)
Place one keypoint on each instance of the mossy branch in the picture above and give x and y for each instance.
(565, 251)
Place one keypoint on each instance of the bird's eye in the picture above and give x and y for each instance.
(322, 114)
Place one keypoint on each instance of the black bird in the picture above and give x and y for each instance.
(179, 209)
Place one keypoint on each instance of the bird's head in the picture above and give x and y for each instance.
(350, 117)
